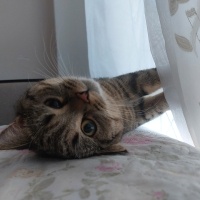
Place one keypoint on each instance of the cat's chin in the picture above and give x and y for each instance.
(115, 149)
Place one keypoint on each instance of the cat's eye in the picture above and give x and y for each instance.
(88, 127)
(54, 103)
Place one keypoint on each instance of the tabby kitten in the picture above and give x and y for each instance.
(73, 117)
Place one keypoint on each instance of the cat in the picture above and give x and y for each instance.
(73, 117)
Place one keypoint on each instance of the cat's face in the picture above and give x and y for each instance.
(67, 117)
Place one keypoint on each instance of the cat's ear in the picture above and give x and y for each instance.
(113, 149)
(13, 137)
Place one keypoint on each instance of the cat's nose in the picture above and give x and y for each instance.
(83, 96)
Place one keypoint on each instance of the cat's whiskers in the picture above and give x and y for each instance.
(17, 146)
(63, 68)
(53, 51)
(47, 72)
(127, 113)
(149, 108)
(42, 74)
(53, 70)
(48, 61)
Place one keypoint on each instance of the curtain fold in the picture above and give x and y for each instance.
(163, 50)
(179, 25)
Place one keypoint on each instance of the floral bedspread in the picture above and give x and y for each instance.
(156, 168)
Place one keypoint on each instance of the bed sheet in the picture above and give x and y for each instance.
(155, 168)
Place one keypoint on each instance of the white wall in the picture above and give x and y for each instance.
(24, 25)
(71, 37)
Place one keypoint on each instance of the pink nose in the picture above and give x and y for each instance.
(83, 96)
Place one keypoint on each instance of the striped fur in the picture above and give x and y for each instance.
(114, 105)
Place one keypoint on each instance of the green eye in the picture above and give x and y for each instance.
(88, 127)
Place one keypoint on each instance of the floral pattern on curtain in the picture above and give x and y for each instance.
(178, 22)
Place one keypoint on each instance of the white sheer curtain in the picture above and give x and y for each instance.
(173, 28)
(117, 37)
(118, 42)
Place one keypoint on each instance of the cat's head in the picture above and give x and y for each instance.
(65, 117)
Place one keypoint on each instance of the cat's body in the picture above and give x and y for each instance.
(77, 117)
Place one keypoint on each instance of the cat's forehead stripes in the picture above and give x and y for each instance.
(50, 87)
(41, 89)
(67, 83)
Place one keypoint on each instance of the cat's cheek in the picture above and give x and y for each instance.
(14, 136)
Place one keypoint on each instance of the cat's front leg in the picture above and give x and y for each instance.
(150, 107)
(146, 81)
